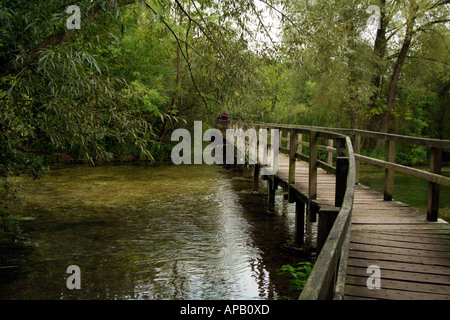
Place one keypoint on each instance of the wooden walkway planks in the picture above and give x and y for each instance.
(413, 254)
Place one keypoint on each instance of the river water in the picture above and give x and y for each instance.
(149, 232)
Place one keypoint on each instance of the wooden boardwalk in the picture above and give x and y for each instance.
(413, 255)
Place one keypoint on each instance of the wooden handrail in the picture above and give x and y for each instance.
(327, 278)
(331, 263)
(436, 143)
(323, 278)
(434, 177)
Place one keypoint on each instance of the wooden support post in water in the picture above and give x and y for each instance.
(299, 222)
(271, 194)
(433, 188)
(389, 174)
(311, 211)
(256, 177)
(224, 150)
(327, 216)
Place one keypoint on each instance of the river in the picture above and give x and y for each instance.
(141, 231)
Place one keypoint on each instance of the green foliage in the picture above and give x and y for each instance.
(298, 275)
(117, 88)
(57, 98)
(410, 155)
(13, 163)
(331, 44)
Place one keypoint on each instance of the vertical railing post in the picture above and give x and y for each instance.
(300, 140)
(327, 216)
(357, 150)
(389, 174)
(330, 154)
(281, 138)
(433, 188)
(299, 222)
(292, 150)
(312, 176)
(341, 172)
(312, 165)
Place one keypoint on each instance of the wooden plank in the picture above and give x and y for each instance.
(420, 242)
(400, 251)
(386, 283)
(419, 227)
(432, 271)
(402, 275)
(389, 294)
(382, 256)
(443, 238)
(400, 244)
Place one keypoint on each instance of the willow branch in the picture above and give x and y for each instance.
(182, 53)
(54, 39)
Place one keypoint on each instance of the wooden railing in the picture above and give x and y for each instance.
(327, 278)
(334, 221)
(433, 176)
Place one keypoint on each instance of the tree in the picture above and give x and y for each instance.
(363, 76)
(56, 97)
(419, 16)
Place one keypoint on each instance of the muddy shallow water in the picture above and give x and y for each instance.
(149, 232)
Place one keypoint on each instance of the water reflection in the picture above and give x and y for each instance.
(150, 232)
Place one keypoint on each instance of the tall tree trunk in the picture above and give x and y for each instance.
(353, 77)
(394, 80)
(443, 120)
(379, 52)
(395, 77)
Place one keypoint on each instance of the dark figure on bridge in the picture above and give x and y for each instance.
(223, 116)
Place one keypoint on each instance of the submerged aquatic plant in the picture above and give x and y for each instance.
(299, 275)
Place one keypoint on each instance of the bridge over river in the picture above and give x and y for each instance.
(371, 247)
